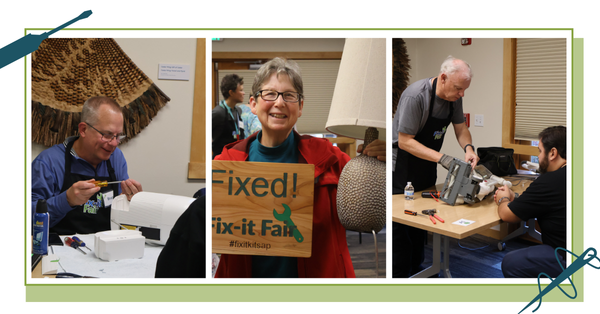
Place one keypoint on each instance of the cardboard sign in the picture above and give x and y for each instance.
(261, 208)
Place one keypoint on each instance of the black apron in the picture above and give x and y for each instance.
(93, 216)
(409, 242)
(422, 173)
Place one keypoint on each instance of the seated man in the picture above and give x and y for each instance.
(64, 174)
(546, 200)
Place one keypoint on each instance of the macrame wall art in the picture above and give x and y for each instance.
(400, 71)
(65, 72)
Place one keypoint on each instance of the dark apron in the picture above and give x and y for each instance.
(409, 242)
(422, 173)
(93, 216)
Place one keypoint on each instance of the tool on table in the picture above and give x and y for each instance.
(73, 244)
(81, 243)
(433, 194)
(105, 183)
(287, 212)
(431, 213)
(413, 213)
(460, 181)
(430, 194)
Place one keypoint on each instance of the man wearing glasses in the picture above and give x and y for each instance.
(64, 174)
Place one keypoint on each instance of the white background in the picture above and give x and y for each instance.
(15, 17)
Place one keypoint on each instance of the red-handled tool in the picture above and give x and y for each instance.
(431, 213)
(73, 244)
(413, 213)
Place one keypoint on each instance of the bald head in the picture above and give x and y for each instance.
(454, 79)
(453, 66)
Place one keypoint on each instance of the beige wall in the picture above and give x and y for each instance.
(158, 157)
(484, 96)
(278, 44)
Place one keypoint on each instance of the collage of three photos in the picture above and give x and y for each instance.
(313, 157)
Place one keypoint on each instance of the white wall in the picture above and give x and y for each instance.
(484, 96)
(158, 157)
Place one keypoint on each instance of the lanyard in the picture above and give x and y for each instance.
(235, 122)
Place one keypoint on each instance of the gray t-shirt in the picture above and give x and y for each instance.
(413, 111)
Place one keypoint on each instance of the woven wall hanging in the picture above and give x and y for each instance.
(65, 72)
(400, 71)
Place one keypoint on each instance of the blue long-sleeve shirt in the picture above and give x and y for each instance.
(48, 172)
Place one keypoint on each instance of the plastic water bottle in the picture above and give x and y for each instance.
(40, 228)
(409, 192)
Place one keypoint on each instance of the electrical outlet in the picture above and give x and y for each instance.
(478, 120)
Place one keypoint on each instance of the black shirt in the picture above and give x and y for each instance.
(184, 254)
(225, 128)
(546, 200)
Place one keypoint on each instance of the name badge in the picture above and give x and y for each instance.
(108, 198)
(240, 124)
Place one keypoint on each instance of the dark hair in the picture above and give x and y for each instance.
(230, 82)
(555, 136)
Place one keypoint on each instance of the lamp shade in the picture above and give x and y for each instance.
(358, 111)
(360, 90)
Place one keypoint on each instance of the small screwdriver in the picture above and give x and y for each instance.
(410, 212)
(73, 244)
(105, 183)
(81, 243)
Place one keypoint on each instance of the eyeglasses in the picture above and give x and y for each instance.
(270, 95)
(107, 137)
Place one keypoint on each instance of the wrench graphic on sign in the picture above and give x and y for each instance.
(285, 217)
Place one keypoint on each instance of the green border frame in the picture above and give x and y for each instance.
(390, 291)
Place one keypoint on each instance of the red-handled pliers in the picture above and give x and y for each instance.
(431, 213)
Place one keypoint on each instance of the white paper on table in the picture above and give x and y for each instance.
(463, 222)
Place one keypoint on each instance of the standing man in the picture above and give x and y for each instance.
(227, 123)
(425, 110)
(64, 174)
(546, 200)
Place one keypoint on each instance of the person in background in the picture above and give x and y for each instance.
(227, 124)
(64, 174)
(425, 110)
(277, 99)
(251, 122)
(546, 200)
(184, 254)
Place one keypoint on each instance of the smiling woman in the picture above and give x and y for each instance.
(278, 115)
(277, 99)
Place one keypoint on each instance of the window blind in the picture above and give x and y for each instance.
(319, 77)
(541, 86)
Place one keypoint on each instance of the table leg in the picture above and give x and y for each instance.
(434, 269)
(436, 264)
(446, 266)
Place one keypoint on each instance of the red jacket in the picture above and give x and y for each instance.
(330, 257)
